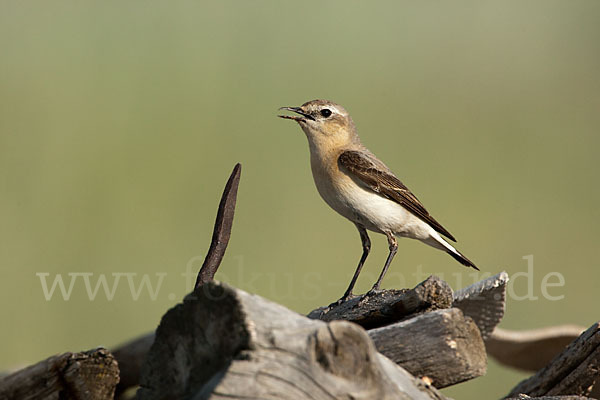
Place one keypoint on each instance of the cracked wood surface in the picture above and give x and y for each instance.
(530, 350)
(442, 346)
(525, 397)
(70, 376)
(225, 343)
(485, 302)
(573, 372)
(389, 306)
(384, 308)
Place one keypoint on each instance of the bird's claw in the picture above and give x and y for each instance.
(367, 295)
(342, 300)
(336, 303)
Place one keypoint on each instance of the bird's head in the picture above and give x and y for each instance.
(324, 123)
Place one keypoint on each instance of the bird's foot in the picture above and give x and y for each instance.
(336, 303)
(367, 295)
(342, 300)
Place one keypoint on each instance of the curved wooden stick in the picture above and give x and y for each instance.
(222, 229)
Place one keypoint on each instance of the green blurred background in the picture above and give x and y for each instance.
(120, 122)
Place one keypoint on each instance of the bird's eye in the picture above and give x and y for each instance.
(326, 112)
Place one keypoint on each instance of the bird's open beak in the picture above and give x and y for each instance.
(297, 110)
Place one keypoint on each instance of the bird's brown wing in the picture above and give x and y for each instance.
(359, 165)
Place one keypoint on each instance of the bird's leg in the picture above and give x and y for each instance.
(366, 245)
(393, 244)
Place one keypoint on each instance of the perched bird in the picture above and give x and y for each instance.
(363, 189)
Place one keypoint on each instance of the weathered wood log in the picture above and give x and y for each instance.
(223, 343)
(572, 372)
(525, 397)
(389, 306)
(70, 376)
(421, 344)
(383, 308)
(484, 301)
(533, 349)
(444, 347)
(378, 310)
(130, 357)
(530, 350)
(375, 311)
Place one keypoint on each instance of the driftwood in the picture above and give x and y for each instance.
(525, 350)
(223, 343)
(383, 308)
(222, 229)
(533, 349)
(572, 372)
(525, 397)
(389, 306)
(74, 376)
(444, 347)
(485, 302)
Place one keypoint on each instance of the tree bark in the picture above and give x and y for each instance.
(384, 308)
(444, 347)
(530, 350)
(70, 376)
(389, 306)
(223, 343)
(485, 302)
(572, 372)
(525, 397)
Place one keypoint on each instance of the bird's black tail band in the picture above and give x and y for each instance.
(458, 256)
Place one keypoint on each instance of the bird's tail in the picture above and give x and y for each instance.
(460, 257)
(435, 240)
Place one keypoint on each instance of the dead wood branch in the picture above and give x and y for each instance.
(386, 307)
(443, 346)
(572, 372)
(525, 397)
(74, 376)
(484, 301)
(389, 306)
(225, 343)
(222, 229)
(533, 349)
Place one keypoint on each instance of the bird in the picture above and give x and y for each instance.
(361, 188)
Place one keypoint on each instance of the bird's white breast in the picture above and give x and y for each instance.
(361, 205)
